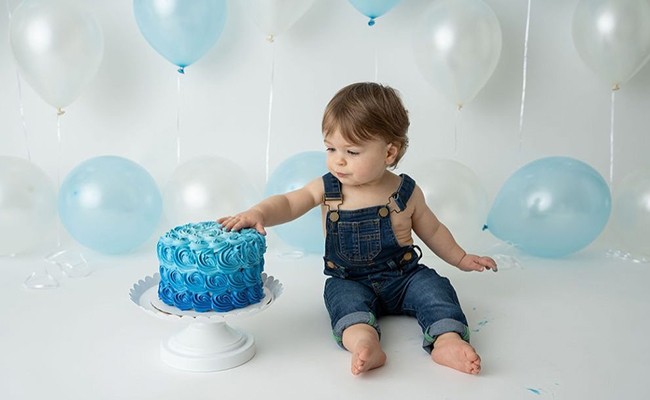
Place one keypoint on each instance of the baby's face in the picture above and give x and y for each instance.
(357, 164)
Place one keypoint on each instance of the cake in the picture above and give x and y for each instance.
(205, 268)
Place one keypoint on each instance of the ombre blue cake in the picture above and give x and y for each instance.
(205, 268)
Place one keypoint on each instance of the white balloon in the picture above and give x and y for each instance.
(206, 188)
(613, 37)
(27, 205)
(457, 45)
(275, 17)
(58, 46)
(455, 195)
(631, 216)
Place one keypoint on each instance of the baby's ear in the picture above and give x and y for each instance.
(391, 153)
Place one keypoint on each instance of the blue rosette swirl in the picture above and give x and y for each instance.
(202, 302)
(222, 302)
(195, 281)
(236, 281)
(183, 300)
(177, 280)
(184, 258)
(166, 294)
(240, 298)
(216, 284)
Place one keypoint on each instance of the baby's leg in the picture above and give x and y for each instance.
(433, 300)
(362, 341)
(351, 306)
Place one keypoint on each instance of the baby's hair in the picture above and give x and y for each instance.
(367, 111)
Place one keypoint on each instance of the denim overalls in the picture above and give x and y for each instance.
(372, 275)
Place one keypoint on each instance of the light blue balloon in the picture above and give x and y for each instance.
(182, 31)
(374, 8)
(110, 204)
(551, 207)
(305, 233)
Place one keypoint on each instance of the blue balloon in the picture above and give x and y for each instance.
(110, 204)
(182, 31)
(305, 233)
(551, 207)
(374, 8)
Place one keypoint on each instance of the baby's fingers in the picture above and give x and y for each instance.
(222, 219)
(260, 228)
(490, 263)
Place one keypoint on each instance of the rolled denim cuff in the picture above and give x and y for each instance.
(443, 326)
(359, 317)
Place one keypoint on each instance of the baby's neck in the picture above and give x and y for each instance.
(371, 194)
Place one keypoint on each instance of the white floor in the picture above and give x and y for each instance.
(572, 328)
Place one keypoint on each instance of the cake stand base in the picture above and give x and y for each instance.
(207, 347)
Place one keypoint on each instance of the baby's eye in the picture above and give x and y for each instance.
(353, 153)
(329, 149)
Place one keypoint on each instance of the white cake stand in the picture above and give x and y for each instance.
(207, 343)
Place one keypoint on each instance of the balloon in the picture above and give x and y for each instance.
(207, 188)
(275, 17)
(631, 216)
(613, 37)
(457, 45)
(181, 31)
(305, 233)
(58, 46)
(455, 194)
(27, 205)
(551, 207)
(109, 204)
(374, 8)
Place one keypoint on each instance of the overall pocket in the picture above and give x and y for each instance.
(359, 241)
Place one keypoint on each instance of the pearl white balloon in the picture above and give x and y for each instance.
(58, 45)
(457, 45)
(613, 37)
(455, 195)
(205, 189)
(631, 216)
(275, 17)
(27, 205)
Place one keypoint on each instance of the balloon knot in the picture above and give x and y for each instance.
(59, 111)
(485, 227)
(371, 22)
(270, 38)
(460, 107)
(615, 87)
(181, 70)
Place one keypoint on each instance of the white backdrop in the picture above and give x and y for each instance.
(130, 109)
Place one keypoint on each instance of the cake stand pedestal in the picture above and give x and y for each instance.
(207, 343)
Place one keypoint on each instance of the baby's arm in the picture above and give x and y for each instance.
(277, 209)
(438, 238)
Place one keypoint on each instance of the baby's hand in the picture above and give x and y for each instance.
(247, 219)
(472, 262)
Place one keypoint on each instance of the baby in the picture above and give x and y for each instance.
(368, 214)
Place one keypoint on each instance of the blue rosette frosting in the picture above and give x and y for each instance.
(203, 267)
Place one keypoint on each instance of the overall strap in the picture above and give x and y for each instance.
(332, 188)
(404, 191)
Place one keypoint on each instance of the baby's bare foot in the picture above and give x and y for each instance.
(367, 356)
(452, 351)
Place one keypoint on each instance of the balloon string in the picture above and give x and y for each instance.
(456, 130)
(268, 132)
(523, 87)
(376, 58)
(178, 120)
(58, 173)
(20, 99)
(611, 138)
